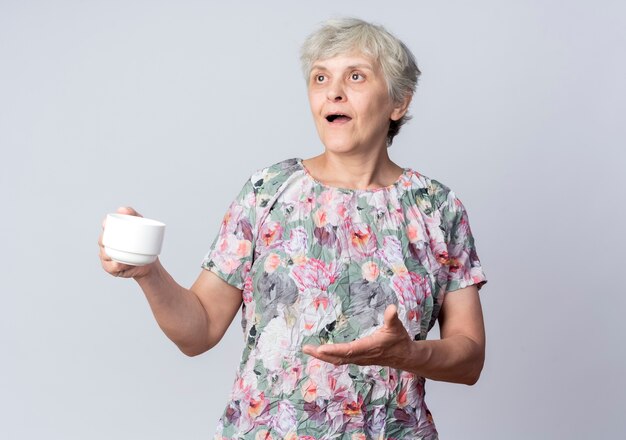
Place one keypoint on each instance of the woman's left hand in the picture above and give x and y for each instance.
(388, 346)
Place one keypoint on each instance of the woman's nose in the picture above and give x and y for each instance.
(335, 92)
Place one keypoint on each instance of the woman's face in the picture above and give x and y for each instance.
(351, 104)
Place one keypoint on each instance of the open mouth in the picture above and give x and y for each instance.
(338, 118)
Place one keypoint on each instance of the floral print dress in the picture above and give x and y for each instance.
(319, 264)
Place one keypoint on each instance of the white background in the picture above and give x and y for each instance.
(170, 106)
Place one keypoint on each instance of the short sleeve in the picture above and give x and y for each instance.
(462, 263)
(230, 255)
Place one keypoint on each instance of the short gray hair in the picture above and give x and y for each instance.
(347, 35)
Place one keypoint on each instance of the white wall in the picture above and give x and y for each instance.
(169, 106)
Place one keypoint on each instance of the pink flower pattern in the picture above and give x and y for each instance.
(318, 264)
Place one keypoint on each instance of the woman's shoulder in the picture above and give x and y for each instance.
(422, 186)
(275, 173)
(268, 180)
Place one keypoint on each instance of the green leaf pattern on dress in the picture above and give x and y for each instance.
(318, 264)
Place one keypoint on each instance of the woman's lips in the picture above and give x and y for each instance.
(338, 119)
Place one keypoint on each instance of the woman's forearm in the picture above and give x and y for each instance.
(455, 359)
(178, 311)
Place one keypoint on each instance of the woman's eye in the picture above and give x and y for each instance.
(356, 76)
(320, 78)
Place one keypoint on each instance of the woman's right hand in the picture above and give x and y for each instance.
(122, 270)
(194, 319)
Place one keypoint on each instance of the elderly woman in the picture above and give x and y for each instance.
(343, 263)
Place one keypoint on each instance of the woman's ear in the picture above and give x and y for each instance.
(401, 108)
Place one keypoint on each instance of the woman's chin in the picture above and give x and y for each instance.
(348, 144)
(339, 145)
(339, 149)
(346, 148)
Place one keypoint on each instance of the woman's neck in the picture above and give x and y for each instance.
(357, 171)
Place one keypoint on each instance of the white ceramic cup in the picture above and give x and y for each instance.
(132, 240)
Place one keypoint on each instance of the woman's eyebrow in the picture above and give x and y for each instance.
(351, 67)
(360, 66)
(317, 67)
